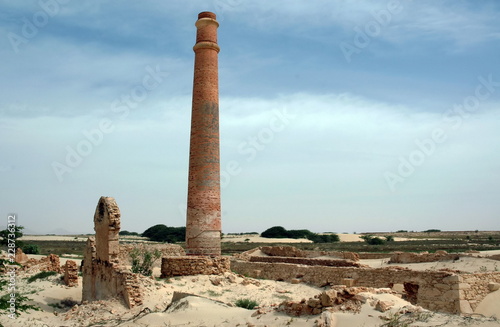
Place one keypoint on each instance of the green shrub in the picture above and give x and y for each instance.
(41, 275)
(370, 239)
(143, 260)
(31, 249)
(281, 232)
(127, 233)
(275, 232)
(19, 304)
(246, 304)
(162, 233)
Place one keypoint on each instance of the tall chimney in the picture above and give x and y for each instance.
(203, 221)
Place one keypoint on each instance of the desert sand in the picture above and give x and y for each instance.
(210, 302)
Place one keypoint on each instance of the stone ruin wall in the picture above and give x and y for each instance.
(70, 269)
(308, 261)
(475, 287)
(293, 252)
(194, 265)
(436, 291)
(104, 277)
(410, 257)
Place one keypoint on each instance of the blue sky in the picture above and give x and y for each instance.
(343, 116)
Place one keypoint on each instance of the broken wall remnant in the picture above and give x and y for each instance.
(194, 265)
(21, 257)
(70, 273)
(444, 291)
(410, 257)
(103, 275)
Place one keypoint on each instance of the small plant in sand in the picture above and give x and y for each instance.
(246, 304)
(41, 275)
(213, 293)
(7, 302)
(143, 260)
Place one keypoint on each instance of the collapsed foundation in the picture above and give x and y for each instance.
(443, 291)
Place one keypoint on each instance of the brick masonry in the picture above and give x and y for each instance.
(203, 221)
(194, 265)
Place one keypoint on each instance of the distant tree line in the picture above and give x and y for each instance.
(281, 232)
(162, 233)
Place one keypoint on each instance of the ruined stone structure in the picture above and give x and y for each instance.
(409, 257)
(203, 221)
(194, 265)
(70, 273)
(103, 276)
(21, 257)
(444, 291)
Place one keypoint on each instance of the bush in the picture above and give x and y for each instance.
(432, 231)
(162, 233)
(17, 231)
(31, 249)
(142, 261)
(127, 233)
(20, 304)
(281, 232)
(389, 238)
(275, 232)
(370, 239)
(41, 275)
(246, 304)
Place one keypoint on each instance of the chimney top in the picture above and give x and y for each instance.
(206, 14)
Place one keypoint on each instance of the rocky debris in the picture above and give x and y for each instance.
(339, 298)
(48, 263)
(21, 257)
(383, 306)
(493, 286)
(216, 281)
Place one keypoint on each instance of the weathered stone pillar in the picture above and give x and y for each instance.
(203, 221)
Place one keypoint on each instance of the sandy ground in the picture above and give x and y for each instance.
(227, 238)
(466, 264)
(213, 305)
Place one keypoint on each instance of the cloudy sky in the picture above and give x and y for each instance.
(342, 116)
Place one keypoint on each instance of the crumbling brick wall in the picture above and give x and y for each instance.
(437, 291)
(308, 261)
(70, 273)
(21, 257)
(341, 255)
(103, 275)
(283, 251)
(410, 257)
(194, 265)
